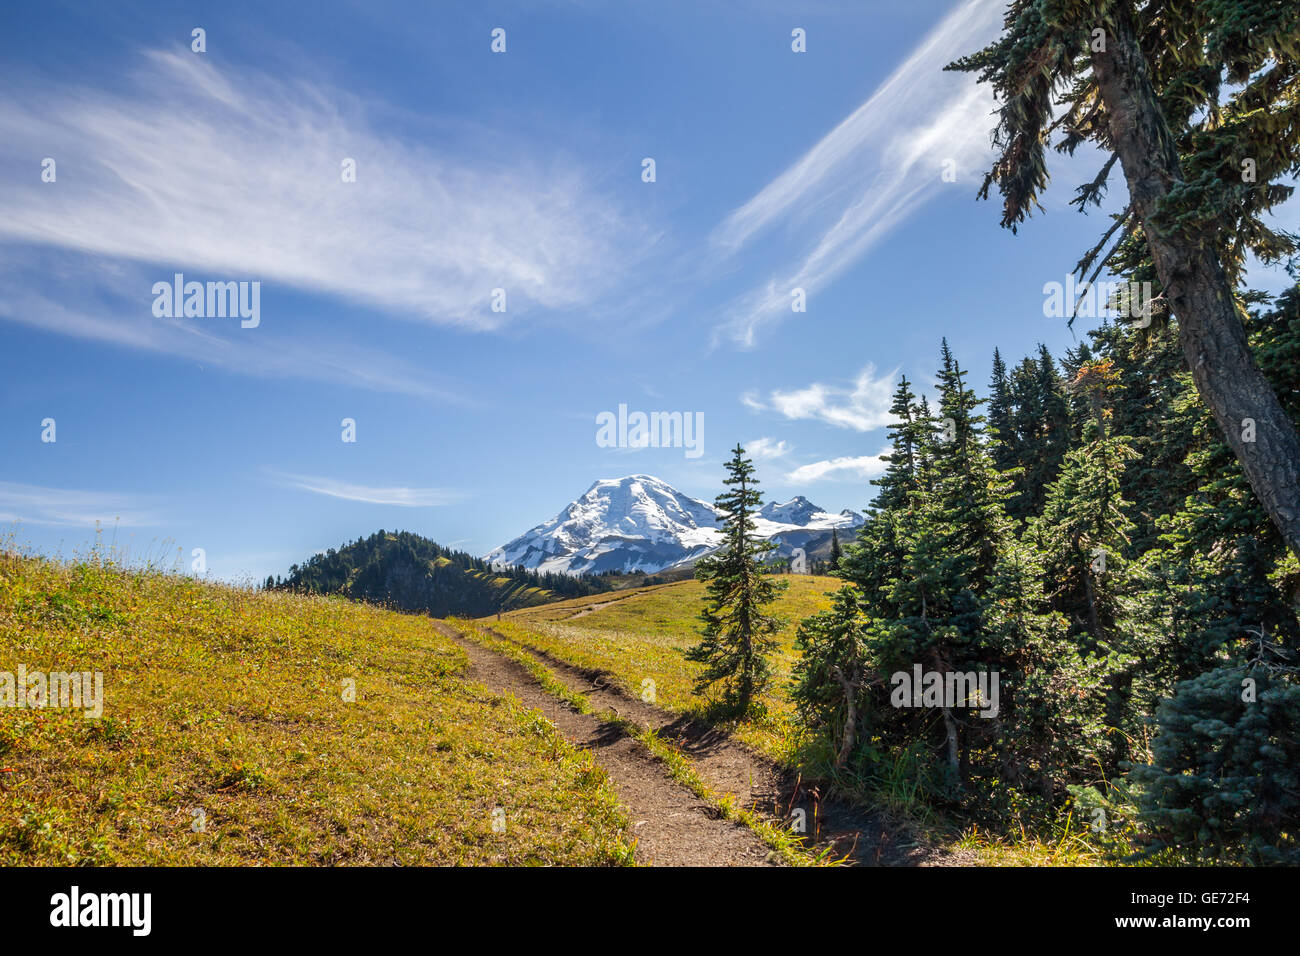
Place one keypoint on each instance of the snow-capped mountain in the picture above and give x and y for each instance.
(640, 523)
(802, 513)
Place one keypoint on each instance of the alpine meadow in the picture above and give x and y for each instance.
(649, 436)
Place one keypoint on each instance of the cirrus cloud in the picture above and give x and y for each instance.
(73, 508)
(238, 174)
(870, 173)
(402, 497)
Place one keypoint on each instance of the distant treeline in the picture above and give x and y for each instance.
(408, 571)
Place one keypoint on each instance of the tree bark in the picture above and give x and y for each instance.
(1196, 286)
(850, 735)
(950, 731)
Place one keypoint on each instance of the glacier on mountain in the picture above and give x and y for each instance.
(642, 523)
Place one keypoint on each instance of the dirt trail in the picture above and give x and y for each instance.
(672, 826)
(592, 608)
(755, 781)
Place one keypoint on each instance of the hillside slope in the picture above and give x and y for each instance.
(408, 571)
(226, 736)
(642, 635)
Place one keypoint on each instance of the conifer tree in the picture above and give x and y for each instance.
(738, 635)
(1225, 779)
(1056, 415)
(1195, 103)
(1084, 535)
(875, 558)
(1221, 570)
(937, 566)
(1005, 450)
(906, 436)
(1084, 528)
(829, 679)
(1051, 732)
(1038, 430)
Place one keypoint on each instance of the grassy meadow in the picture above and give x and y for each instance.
(226, 737)
(644, 636)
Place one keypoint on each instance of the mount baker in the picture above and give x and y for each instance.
(641, 523)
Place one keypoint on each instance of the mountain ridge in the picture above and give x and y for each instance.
(640, 523)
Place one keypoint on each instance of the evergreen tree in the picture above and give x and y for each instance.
(738, 636)
(1225, 779)
(828, 681)
(1221, 570)
(1195, 102)
(1156, 408)
(939, 581)
(1148, 584)
(906, 435)
(1084, 528)
(1051, 732)
(1056, 414)
(1084, 535)
(929, 593)
(1005, 447)
(875, 559)
(1032, 443)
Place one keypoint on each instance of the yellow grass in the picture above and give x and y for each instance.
(226, 737)
(644, 636)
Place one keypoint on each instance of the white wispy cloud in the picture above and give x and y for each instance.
(236, 175)
(370, 494)
(863, 406)
(861, 467)
(766, 449)
(259, 353)
(873, 170)
(36, 504)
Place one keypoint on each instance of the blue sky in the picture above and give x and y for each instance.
(476, 170)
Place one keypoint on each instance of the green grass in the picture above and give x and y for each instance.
(787, 845)
(645, 637)
(560, 610)
(231, 702)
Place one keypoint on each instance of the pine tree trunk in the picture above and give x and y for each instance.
(850, 735)
(950, 731)
(949, 725)
(1196, 286)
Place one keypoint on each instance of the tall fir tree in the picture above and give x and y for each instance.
(1195, 104)
(1040, 429)
(738, 634)
(1001, 425)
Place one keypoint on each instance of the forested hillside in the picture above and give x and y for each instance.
(1086, 534)
(407, 571)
